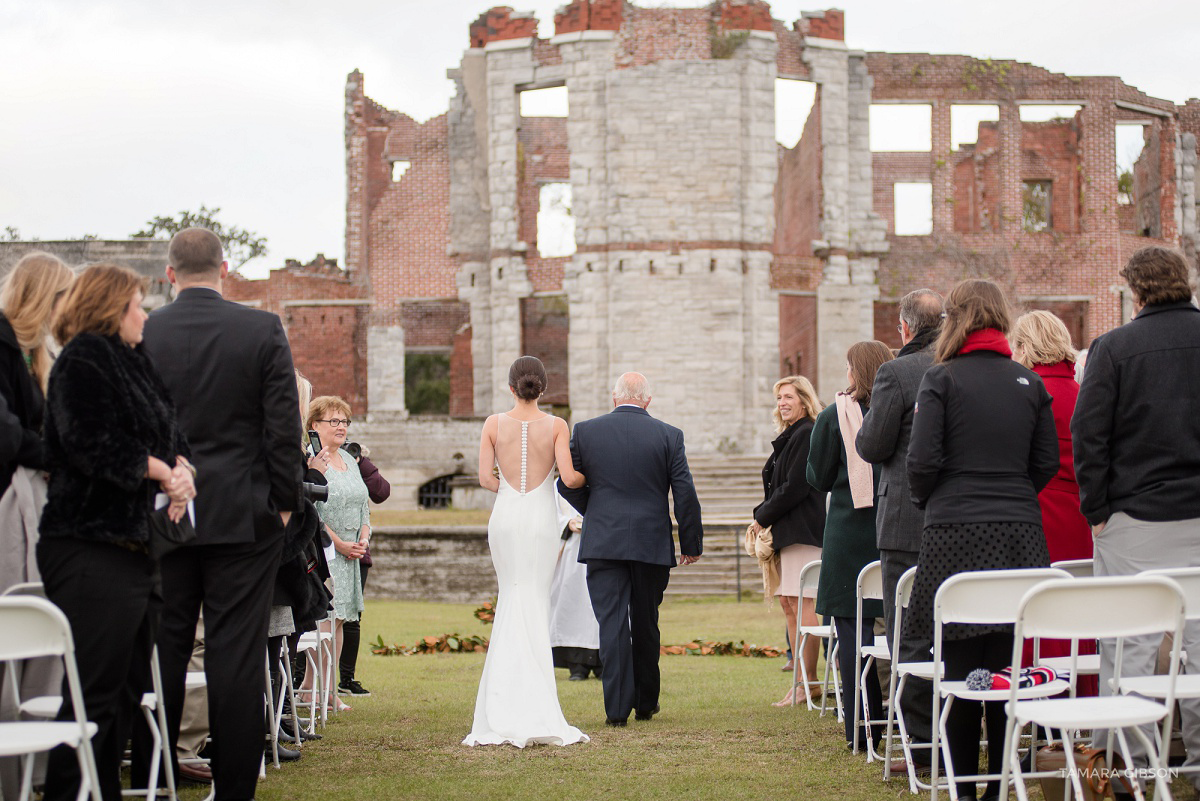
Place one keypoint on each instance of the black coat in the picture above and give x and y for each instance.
(791, 507)
(632, 462)
(983, 441)
(107, 412)
(1136, 427)
(229, 371)
(24, 399)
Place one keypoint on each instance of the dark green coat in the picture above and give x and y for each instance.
(849, 533)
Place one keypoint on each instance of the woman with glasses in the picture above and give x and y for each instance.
(345, 514)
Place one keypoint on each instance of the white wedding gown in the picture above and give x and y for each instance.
(518, 700)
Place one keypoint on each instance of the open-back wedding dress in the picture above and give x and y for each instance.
(518, 700)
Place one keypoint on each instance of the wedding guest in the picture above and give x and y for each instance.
(574, 630)
(112, 440)
(834, 466)
(792, 509)
(883, 441)
(344, 514)
(1041, 342)
(983, 445)
(1136, 438)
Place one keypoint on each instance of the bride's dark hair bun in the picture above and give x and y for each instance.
(527, 377)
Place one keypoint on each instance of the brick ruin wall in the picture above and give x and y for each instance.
(447, 254)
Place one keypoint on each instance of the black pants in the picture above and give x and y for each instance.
(233, 584)
(848, 666)
(111, 596)
(917, 702)
(994, 652)
(625, 597)
(352, 636)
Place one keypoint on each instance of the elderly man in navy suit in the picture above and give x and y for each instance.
(632, 462)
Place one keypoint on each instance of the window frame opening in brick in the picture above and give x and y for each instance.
(427, 381)
(1048, 112)
(965, 119)
(436, 493)
(912, 208)
(550, 101)
(900, 127)
(1130, 140)
(794, 100)
(1037, 206)
(555, 222)
(398, 168)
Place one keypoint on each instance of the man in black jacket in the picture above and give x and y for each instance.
(883, 441)
(631, 462)
(229, 371)
(1136, 440)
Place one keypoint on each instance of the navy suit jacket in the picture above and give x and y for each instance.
(229, 370)
(631, 462)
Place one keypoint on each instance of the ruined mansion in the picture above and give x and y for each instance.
(705, 252)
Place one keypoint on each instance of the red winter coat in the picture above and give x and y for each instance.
(1068, 535)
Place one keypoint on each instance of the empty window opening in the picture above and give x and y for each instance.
(427, 383)
(1035, 206)
(555, 223)
(964, 123)
(793, 103)
(399, 168)
(1038, 112)
(901, 128)
(544, 102)
(1131, 139)
(913, 214)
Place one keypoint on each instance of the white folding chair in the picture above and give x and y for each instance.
(869, 587)
(978, 597)
(899, 675)
(1084, 664)
(1119, 606)
(1187, 686)
(810, 577)
(35, 627)
(1079, 568)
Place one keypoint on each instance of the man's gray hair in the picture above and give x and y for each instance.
(632, 387)
(922, 309)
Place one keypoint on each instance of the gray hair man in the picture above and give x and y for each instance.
(883, 441)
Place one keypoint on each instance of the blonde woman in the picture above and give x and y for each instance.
(791, 508)
(28, 300)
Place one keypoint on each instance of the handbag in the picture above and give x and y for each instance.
(1094, 773)
(165, 534)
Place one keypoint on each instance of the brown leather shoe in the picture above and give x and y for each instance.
(200, 774)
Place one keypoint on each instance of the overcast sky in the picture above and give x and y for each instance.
(114, 112)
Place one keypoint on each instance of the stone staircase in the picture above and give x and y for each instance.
(729, 487)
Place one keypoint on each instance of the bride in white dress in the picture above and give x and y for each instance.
(518, 700)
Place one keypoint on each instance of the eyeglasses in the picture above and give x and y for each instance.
(900, 328)
(335, 422)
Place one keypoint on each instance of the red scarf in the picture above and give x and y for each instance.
(986, 339)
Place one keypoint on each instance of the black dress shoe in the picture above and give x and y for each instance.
(645, 715)
(285, 733)
(615, 722)
(579, 672)
(285, 754)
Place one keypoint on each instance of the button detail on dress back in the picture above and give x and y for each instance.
(524, 452)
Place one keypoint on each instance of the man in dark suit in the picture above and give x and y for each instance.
(229, 371)
(883, 440)
(632, 462)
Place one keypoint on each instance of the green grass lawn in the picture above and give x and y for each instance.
(717, 737)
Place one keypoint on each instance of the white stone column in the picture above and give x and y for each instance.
(385, 371)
